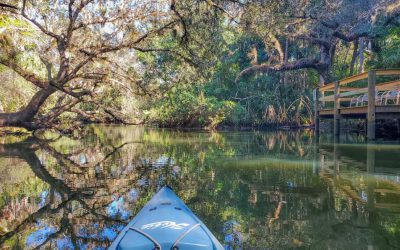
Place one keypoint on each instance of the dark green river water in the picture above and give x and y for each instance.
(254, 190)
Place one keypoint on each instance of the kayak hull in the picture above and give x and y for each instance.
(165, 222)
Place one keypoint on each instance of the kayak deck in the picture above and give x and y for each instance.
(165, 222)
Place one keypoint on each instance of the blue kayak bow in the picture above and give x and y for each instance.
(165, 222)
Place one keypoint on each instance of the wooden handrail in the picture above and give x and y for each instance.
(331, 99)
(354, 78)
(380, 87)
(345, 81)
(343, 89)
(362, 76)
(387, 72)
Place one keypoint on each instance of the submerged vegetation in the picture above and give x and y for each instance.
(184, 63)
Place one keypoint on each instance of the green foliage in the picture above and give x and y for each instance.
(187, 106)
(220, 100)
(388, 47)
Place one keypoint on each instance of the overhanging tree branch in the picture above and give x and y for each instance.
(4, 5)
(299, 64)
(351, 37)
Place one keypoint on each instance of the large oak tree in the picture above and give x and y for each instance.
(80, 46)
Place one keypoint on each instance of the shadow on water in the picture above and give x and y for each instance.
(254, 190)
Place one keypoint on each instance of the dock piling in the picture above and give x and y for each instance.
(371, 105)
(336, 118)
(316, 111)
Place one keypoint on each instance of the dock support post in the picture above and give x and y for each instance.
(398, 126)
(336, 116)
(371, 105)
(316, 110)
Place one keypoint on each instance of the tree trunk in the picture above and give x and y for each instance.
(285, 60)
(25, 117)
(297, 119)
(325, 65)
(281, 100)
(361, 55)
(332, 53)
(354, 56)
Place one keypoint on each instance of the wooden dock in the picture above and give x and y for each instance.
(360, 96)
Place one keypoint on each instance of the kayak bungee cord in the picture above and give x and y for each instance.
(175, 245)
(156, 244)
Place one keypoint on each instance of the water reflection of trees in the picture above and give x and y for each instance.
(254, 190)
(81, 205)
(54, 216)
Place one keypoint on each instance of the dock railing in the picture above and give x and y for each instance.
(357, 99)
